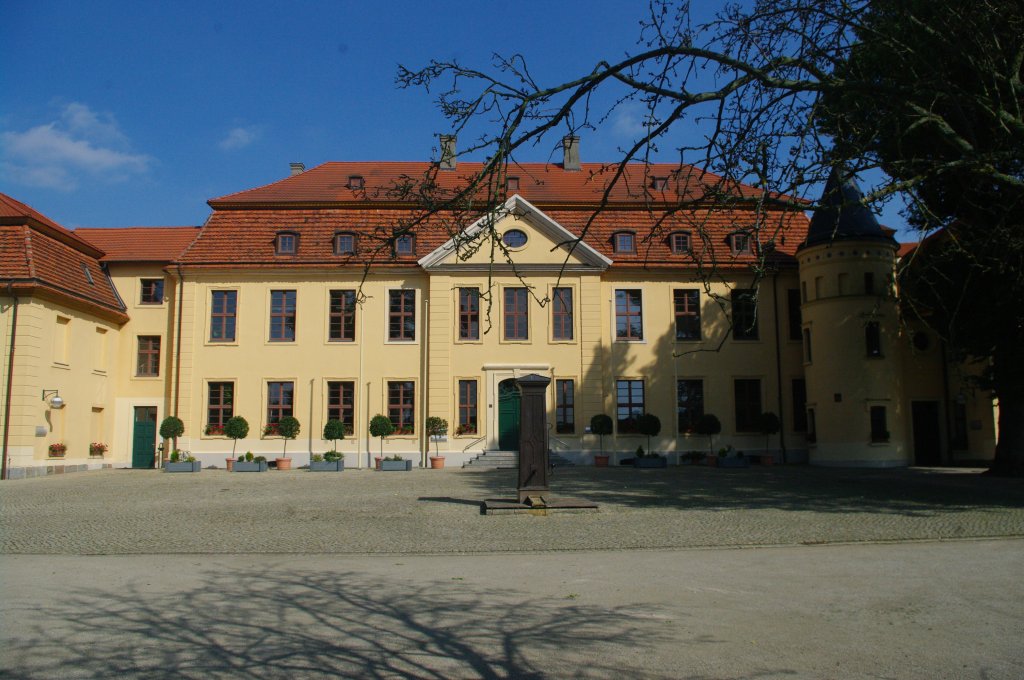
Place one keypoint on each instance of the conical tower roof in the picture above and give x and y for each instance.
(842, 215)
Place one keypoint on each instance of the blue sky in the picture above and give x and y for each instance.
(129, 113)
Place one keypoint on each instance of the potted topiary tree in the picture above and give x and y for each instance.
(172, 428)
(288, 427)
(381, 426)
(709, 425)
(333, 460)
(650, 425)
(769, 424)
(601, 425)
(236, 428)
(436, 428)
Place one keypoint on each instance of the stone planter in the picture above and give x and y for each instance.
(246, 466)
(194, 466)
(649, 462)
(396, 465)
(327, 466)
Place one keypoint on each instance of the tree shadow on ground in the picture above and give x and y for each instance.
(300, 623)
(912, 492)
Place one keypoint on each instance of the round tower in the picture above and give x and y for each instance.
(850, 327)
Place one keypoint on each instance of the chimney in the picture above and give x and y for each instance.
(571, 147)
(297, 168)
(448, 159)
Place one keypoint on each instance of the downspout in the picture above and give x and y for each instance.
(10, 379)
(778, 366)
(425, 388)
(366, 396)
(310, 428)
(946, 399)
(177, 343)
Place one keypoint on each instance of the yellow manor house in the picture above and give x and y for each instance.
(309, 298)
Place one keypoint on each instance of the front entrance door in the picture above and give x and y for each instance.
(508, 415)
(925, 418)
(144, 437)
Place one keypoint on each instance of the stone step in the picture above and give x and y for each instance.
(503, 460)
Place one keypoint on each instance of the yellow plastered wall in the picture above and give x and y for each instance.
(72, 352)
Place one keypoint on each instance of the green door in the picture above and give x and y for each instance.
(144, 437)
(508, 415)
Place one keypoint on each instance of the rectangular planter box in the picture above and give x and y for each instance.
(733, 462)
(646, 462)
(243, 466)
(327, 466)
(396, 465)
(194, 466)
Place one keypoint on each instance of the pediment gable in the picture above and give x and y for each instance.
(547, 244)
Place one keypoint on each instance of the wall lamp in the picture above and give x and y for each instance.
(55, 401)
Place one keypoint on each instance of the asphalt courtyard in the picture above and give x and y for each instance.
(682, 573)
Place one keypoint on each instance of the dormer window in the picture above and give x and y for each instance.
(344, 243)
(286, 243)
(512, 184)
(740, 244)
(679, 242)
(624, 242)
(355, 182)
(405, 245)
(659, 183)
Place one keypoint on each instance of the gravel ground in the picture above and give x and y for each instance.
(125, 512)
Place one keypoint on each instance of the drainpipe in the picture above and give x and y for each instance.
(366, 395)
(778, 365)
(10, 379)
(310, 428)
(425, 388)
(177, 343)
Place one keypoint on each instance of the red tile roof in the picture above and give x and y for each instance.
(140, 244)
(40, 257)
(543, 184)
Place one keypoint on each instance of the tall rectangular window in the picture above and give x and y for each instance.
(629, 315)
(795, 317)
(223, 308)
(341, 403)
(402, 315)
(799, 405)
(469, 313)
(152, 292)
(873, 339)
(879, 426)
(747, 392)
(342, 316)
(401, 405)
(148, 364)
(280, 402)
(282, 316)
(467, 408)
(220, 406)
(869, 283)
(744, 314)
(689, 404)
(687, 308)
(808, 356)
(565, 406)
(561, 314)
(517, 316)
(629, 404)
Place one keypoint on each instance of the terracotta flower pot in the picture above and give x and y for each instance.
(436, 462)
(230, 462)
(284, 463)
(600, 461)
(376, 463)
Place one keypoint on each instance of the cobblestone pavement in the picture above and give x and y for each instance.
(123, 512)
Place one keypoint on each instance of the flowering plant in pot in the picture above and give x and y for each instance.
(97, 449)
(58, 450)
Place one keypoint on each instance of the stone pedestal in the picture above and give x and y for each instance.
(533, 438)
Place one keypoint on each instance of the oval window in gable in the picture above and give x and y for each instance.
(514, 238)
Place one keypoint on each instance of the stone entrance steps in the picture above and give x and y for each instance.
(504, 460)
